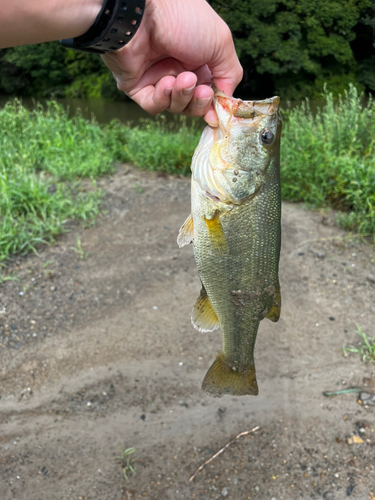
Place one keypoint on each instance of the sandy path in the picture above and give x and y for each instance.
(100, 352)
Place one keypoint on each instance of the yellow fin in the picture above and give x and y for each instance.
(186, 233)
(274, 313)
(222, 379)
(215, 231)
(203, 316)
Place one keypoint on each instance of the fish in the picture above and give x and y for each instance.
(235, 230)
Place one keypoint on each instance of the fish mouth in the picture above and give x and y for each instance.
(246, 109)
(252, 109)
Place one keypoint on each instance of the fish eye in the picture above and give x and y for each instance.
(267, 136)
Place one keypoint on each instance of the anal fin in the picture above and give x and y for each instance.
(203, 316)
(186, 233)
(274, 312)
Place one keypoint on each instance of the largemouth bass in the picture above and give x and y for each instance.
(235, 230)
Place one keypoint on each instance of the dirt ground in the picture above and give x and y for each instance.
(98, 351)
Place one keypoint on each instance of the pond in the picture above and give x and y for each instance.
(103, 110)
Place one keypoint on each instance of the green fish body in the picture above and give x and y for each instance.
(235, 230)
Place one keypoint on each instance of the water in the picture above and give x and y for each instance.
(103, 110)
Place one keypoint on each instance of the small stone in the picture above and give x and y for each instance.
(371, 280)
(331, 318)
(354, 440)
(52, 288)
(320, 255)
(224, 492)
(367, 398)
(350, 489)
(143, 417)
(21, 293)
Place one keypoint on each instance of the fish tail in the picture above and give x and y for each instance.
(222, 378)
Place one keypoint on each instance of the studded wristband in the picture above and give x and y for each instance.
(114, 27)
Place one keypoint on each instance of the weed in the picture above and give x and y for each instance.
(42, 153)
(138, 187)
(46, 264)
(366, 348)
(157, 145)
(328, 159)
(8, 278)
(79, 251)
(126, 462)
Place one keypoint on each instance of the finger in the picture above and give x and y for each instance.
(211, 117)
(183, 91)
(161, 98)
(155, 98)
(201, 101)
(157, 71)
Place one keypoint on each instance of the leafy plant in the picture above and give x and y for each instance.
(79, 250)
(366, 348)
(126, 462)
(328, 158)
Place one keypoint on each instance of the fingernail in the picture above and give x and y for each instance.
(188, 91)
(202, 103)
(168, 92)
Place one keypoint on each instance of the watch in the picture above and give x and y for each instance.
(114, 27)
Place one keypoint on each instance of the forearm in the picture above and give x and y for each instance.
(33, 21)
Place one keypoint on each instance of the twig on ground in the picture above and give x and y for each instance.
(220, 451)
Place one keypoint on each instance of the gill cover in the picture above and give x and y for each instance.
(230, 161)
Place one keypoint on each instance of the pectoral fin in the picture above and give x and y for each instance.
(215, 231)
(203, 316)
(186, 233)
(274, 312)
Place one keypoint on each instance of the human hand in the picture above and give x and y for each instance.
(180, 49)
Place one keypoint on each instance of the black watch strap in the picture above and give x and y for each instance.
(114, 27)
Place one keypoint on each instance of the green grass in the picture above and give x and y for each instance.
(43, 156)
(156, 145)
(366, 348)
(328, 158)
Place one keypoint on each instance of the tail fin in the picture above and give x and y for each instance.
(222, 378)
